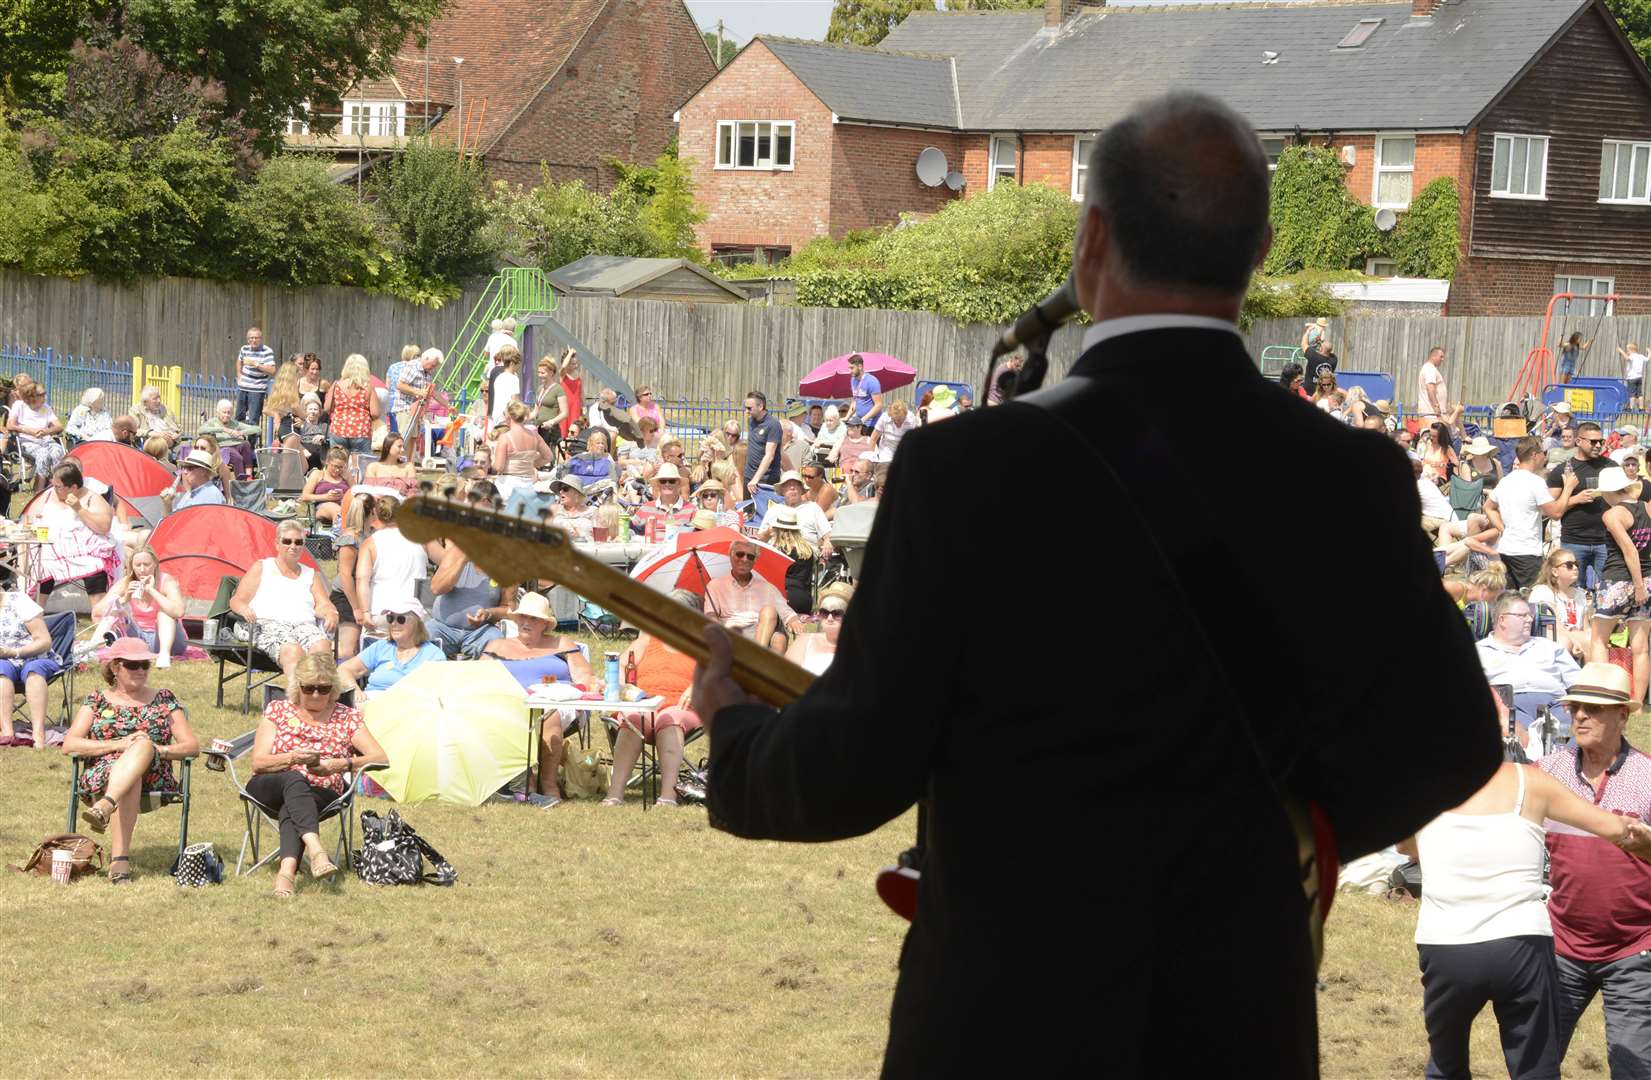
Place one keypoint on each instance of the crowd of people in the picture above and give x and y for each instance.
(1544, 540)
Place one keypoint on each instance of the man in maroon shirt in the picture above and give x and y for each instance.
(1601, 901)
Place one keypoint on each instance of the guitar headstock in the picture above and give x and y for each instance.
(509, 547)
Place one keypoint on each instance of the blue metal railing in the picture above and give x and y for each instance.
(693, 421)
(67, 378)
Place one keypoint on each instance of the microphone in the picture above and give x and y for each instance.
(1040, 320)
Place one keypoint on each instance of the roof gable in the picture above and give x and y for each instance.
(876, 85)
(616, 275)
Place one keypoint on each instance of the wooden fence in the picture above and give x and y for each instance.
(695, 351)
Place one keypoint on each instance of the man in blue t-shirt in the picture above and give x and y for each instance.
(866, 391)
(762, 458)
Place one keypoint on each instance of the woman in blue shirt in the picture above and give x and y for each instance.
(387, 661)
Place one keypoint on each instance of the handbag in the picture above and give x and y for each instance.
(87, 856)
(393, 853)
(198, 865)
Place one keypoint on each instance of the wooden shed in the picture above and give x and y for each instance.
(644, 279)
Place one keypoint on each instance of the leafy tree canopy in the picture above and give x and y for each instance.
(866, 22)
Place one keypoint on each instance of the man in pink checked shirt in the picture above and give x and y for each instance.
(749, 604)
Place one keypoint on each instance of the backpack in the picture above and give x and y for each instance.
(88, 857)
(393, 853)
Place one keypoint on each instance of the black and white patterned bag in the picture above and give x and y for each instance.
(198, 865)
(393, 853)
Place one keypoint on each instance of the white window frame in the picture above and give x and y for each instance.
(1080, 163)
(1632, 146)
(373, 117)
(1507, 138)
(1378, 170)
(757, 165)
(1564, 308)
(1372, 267)
(1283, 140)
(992, 159)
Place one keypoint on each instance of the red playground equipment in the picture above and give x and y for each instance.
(1539, 370)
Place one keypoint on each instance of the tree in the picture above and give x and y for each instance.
(1634, 16)
(669, 216)
(270, 56)
(866, 22)
(293, 225)
(555, 224)
(1317, 224)
(729, 49)
(435, 204)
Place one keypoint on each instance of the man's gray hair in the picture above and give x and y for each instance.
(1505, 603)
(1182, 185)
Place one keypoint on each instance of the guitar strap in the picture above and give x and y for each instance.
(1315, 849)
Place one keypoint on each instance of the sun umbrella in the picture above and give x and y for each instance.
(694, 558)
(452, 731)
(830, 379)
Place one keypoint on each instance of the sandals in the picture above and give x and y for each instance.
(611, 802)
(322, 867)
(97, 817)
(120, 877)
(665, 802)
(284, 884)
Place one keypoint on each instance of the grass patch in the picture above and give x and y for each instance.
(579, 941)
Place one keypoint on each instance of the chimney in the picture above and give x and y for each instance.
(1423, 9)
(1056, 12)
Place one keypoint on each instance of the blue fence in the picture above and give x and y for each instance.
(67, 378)
(693, 421)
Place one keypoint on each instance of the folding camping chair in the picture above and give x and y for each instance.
(283, 470)
(1466, 496)
(149, 800)
(647, 775)
(341, 809)
(60, 626)
(236, 659)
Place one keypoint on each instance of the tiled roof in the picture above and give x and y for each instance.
(511, 50)
(879, 85)
(1014, 74)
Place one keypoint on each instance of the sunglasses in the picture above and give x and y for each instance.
(1565, 565)
(134, 665)
(672, 483)
(287, 541)
(831, 612)
(751, 555)
(1590, 442)
(398, 620)
(322, 688)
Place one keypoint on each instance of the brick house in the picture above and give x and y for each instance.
(569, 84)
(1539, 109)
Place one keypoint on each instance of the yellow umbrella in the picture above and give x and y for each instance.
(452, 731)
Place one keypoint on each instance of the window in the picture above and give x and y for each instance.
(375, 117)
(1395, 167)
(1359, 34)
(755, 144)
(1274, 146)
(1004, 148)
(299, 122)
(1082, 146)
(1584, 286)
(1622, 169)
(1381, 268)
(1519, 167)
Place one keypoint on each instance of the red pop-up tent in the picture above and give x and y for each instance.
(136, 478)
(201, 545)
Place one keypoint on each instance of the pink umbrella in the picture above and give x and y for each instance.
(692, 559)
(830, 379)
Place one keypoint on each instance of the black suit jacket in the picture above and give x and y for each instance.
(1096, 678)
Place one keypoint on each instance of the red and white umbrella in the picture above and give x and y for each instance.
(692, 559)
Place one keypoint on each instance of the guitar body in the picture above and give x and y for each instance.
(897, 887)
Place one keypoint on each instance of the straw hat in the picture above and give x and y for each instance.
(534, 606)
(1600, 684)
(703, 520)
(1614, 479)
(667, 471)
(200, 459)
(711, 485)
(1383, 406)
(1479, 447)
(787, 477)
(569, 481)
(1563, 408)
(784, 518)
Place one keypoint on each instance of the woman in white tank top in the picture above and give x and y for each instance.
(390, 566)
(1482, 932)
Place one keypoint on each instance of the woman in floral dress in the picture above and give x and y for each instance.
(132, 732)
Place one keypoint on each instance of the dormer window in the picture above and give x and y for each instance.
(1359, 34)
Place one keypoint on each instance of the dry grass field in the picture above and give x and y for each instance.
(579, 941)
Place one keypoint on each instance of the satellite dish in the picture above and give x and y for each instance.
(931, 166)
(1386, 219)
(954, 180)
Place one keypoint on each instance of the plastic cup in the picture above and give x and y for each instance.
(63, 864)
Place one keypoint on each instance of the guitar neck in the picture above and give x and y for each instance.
(514, 549)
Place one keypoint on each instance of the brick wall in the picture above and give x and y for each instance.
(1488, 286)
(612, 98)
(874, 176)
(781, 207)
(1046, 159)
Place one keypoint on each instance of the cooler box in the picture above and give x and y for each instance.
(850, 530)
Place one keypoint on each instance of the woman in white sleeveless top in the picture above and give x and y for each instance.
(1482, 933)
(282, 600)
(390, 566)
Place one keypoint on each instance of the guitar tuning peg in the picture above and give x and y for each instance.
(426, 487)
(498, 504)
